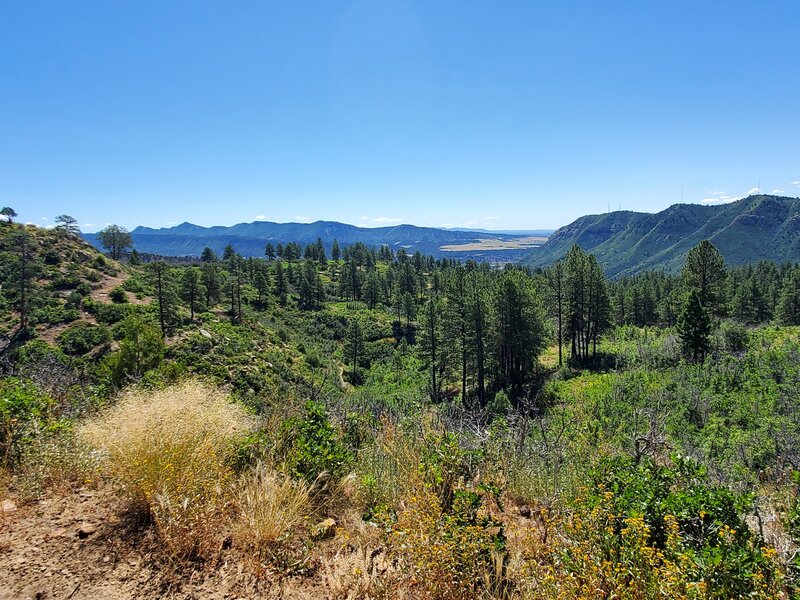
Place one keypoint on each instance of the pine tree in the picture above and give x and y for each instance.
(191, 290)
(212, 284)
(228, 253)
(115, 239)
(269, 251)
(694, 328)
(789, 302)
(162, 279)
(335, 252)
(354, 345)
(556, 285)
(704, 271)
(208, 255)
(281, 284)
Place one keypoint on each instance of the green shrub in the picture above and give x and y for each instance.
(312, 445)
(693, 523)
(141, 349)
(22, 407)
(500, 404)
(81, 337)
(118, 296)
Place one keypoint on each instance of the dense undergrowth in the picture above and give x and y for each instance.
(273, 435)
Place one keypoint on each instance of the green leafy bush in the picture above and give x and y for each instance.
(312, 445)
(118, 296)
(22, 407)
(81, 337)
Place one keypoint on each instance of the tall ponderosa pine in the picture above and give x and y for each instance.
(557, 292)
(436, 351)
(161, 277)
(704, 271)
(354, 345)
(789, 302)
(281, 284)
(9, 213)
(191, 290)
(212, 283)
(310, 289)
(518, 331)
(588, 304)
(236, 282)
(208, 255)
(694, 328)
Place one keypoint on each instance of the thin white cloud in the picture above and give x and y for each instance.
(260, 218)
(382, 220)
(777, 191)
(301, 219)
(45, 219)
(490, 218)
(447, 225)
(797, 183)
(88, 224)
(170, 223)
(719, 197)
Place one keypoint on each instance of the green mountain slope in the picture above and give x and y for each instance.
(751, 229)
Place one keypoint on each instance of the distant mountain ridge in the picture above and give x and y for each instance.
(249, 239)
(760, 227)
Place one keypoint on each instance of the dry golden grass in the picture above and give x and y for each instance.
(170, 450)
(269, 506)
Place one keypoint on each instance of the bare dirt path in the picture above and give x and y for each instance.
(79, 546)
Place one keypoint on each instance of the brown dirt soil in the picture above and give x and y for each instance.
(101, 294)
(80, 546)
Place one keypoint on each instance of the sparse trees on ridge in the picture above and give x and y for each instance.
(115, 240)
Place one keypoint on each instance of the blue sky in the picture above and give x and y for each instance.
(486, 114)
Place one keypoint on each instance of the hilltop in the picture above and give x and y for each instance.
(755, 228)
(249, 239)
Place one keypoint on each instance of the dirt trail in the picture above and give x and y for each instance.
(80, 547)
(101, 294)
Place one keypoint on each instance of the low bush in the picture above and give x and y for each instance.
(312, 446)
(23, 407)
(81, 337)
(118, 296)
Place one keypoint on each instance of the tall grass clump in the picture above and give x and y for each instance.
(270, 506)
(170, 450)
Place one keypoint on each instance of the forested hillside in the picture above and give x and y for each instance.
(372, 423)
(627, 243)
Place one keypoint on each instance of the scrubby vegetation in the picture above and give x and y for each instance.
(388, 425)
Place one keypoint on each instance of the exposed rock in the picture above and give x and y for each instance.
(86, 530)
(8, 506)
(525, 511)
(324, 529)
(205, 334)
